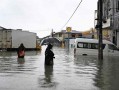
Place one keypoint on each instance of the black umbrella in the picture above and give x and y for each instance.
(51, 40)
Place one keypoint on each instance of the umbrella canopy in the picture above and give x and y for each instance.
(51, 40)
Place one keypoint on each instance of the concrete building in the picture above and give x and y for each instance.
(111, 20)
(106, 28)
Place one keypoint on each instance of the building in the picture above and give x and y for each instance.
(63, 34)
(111, 20)
(91, 33)
(106, 29)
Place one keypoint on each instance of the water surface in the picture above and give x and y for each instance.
(68, 72)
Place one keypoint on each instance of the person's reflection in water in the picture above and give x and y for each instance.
(20, 60)
(48, 74)
(47, 81)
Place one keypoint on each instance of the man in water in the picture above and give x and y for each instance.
(49, 55)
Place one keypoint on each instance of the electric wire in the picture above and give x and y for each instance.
(72, 14)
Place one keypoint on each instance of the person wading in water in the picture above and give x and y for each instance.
(49, 55)
(21, 51)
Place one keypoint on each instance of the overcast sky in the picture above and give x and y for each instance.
(41, 16)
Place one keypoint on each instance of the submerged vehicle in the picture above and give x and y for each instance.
(84, 46)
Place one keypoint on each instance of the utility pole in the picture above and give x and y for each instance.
(52, 33)
(68, 29)
(100, 14)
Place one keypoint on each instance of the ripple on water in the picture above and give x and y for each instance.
(68, 72)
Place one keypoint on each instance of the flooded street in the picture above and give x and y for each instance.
(68, 72)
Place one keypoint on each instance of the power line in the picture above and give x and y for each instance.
(72, 14)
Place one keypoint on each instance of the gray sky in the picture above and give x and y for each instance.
(41, 16)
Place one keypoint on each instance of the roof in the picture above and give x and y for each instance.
(1, 28)
(91, 40)
(73, 31)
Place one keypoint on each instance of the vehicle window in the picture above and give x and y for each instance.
(94, 46)
(112, 47)
(89, 45)
(85, 45)
(79, 45)
(82, 45)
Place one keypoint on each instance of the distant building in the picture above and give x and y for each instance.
(91, 33)
(63, 34)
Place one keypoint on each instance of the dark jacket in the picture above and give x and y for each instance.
(49, 55)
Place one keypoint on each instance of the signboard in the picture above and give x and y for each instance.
(68, 29)
(107, 24)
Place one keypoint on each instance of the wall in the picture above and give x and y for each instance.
(25, 37)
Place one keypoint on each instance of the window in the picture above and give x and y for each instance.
(85, 45)
(89, 45)
(108, 7)
(73, 35)
(117, 6)
(79, 45)
(60, 35)
(94, 46)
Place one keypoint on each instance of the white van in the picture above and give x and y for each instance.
(84, 46)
